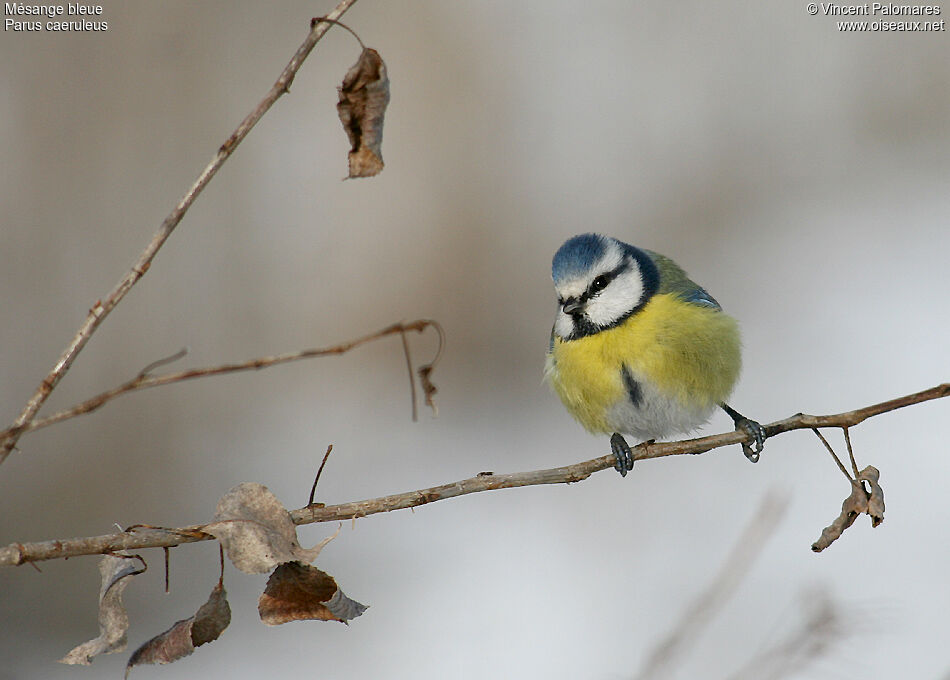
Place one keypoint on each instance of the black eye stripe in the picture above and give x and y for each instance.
(603, 280)
(649, 277)
(598, 284)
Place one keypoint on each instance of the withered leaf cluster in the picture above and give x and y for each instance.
(258, 535)
(364, 96)
(256, 530)
(860, 502)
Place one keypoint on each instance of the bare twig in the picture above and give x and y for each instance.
(834, 455)
(164, 361)
(142, 537)
(101, 308)
(167, 552)
(847, 440)
(313, 489)
(702, 610)
(143, 380)
(822, 628)
(412, 376)
(317, 20)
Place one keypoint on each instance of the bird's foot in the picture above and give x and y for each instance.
(621, 451)
(756, 433)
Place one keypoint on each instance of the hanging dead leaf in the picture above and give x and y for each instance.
(859, 502)
(113, 619)
(429, 388)
(875, 510)
(425, 372)
(257, 531)
(181, 639)
(299, 592)
(364, 96)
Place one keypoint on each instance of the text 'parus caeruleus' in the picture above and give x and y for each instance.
(637, 348)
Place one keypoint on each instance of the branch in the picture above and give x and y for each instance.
(145, 380)
(101, 309)
(697, 617)
(152, 537)
(822, 628)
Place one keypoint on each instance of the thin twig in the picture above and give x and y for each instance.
(823, 627)
(834, 455)
(854, 464)
(313, 489)
(164, 361)
(317, 20)
(707, 604)
(19, 553)
(102, 307)
(412, 376)
(144, 380)
(167, 552)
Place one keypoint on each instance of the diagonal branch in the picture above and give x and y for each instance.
(151, 537)
(145, 380)
(101, 309)
(707, 604)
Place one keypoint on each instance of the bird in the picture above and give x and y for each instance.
(637, 348)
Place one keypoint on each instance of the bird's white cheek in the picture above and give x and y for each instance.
(605, 310)
(616, 301)
(563, 325)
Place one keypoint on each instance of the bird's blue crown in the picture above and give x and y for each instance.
(577, 256)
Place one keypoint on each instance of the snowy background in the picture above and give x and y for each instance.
(799, 173)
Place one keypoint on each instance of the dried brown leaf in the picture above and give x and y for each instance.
(212, 617)
(299, 592)
(181, 639)
(429, 388)
(871, 475)
(257, 531)
(859, 502)
(364, 96)
(113, 619)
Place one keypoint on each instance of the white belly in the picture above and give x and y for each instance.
(656, 415)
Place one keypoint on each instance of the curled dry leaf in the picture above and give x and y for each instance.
(425, 372)
(852, 506)
(859, 502)
(113, 619)
(299, 592)
(256, 530)
(181, 639)
(364, 96)
(875, 510)
(429, 388)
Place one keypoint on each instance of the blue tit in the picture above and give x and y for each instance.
(638, 348)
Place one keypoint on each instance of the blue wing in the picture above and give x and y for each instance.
(699, 296)
(673, 280)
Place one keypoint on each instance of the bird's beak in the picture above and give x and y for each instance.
(572, 307)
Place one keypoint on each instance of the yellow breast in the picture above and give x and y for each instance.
(687, 353)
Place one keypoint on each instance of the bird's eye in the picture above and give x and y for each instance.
(599, 283)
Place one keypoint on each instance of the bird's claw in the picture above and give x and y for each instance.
(621, 451)
(756, 433)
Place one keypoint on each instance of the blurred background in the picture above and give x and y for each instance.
(798, 172)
